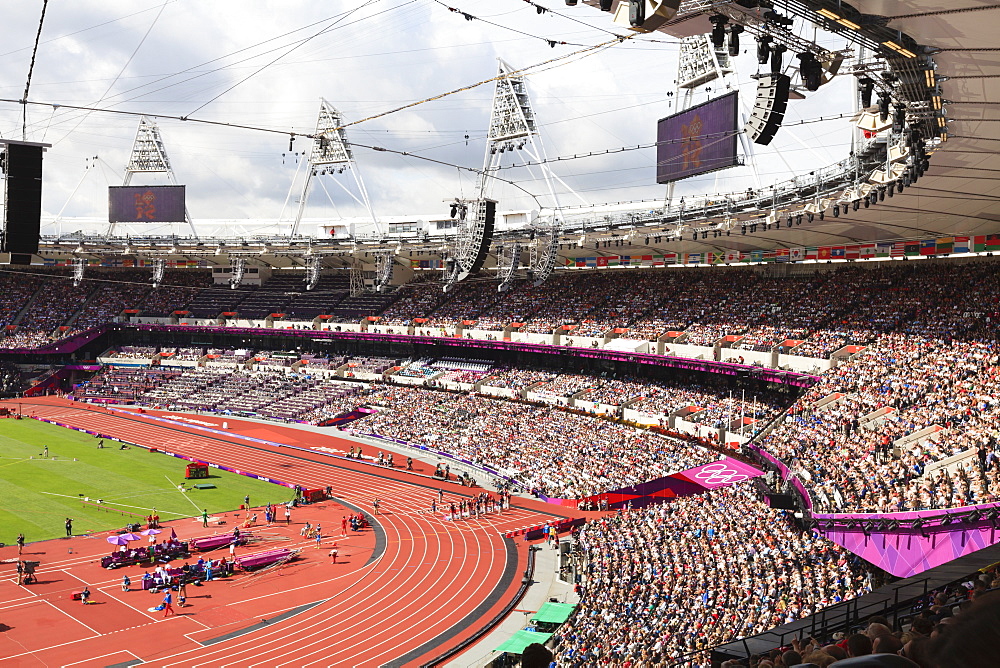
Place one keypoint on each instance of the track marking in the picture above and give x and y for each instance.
(54, 607)
(76, 663)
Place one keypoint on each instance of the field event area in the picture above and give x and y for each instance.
(102, 489)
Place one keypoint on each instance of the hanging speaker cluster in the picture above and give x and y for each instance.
(769, 108)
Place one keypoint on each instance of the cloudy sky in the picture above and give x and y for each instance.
(267, 64)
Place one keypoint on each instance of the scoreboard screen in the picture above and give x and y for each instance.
(697, 140)
(146, 204)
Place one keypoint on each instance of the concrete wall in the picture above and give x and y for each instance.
(804, 364)
(696, 352)
(749, 356)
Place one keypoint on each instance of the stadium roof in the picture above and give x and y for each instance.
(959, 195)
(956, 197)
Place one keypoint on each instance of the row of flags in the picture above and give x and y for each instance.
(913, 248)
(125, 262)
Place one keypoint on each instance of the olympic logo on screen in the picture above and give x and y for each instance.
(720, 474)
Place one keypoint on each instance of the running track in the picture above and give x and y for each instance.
(430, 582)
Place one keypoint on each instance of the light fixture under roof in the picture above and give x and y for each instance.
(833, 16)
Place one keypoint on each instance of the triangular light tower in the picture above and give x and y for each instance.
(512, 128)
(149, 156)
(331, 154)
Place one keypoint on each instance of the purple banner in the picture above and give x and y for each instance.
(722, 473)
(907, 554)
(698, 140)
(696, 480)
(146, 204)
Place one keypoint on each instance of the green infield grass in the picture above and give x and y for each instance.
(38, 494)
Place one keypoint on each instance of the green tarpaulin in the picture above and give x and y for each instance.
(521, 640)
(554, 613)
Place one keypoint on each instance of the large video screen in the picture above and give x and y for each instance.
(698, 140)
(146, 204)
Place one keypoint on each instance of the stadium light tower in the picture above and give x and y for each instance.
(331, 154)
(149, 156)
(512, 128)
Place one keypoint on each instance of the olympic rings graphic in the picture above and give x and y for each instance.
(720, 474)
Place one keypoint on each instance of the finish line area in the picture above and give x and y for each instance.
(402, 591)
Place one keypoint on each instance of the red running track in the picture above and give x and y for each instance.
(428, 585)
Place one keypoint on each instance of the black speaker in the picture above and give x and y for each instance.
(782, 501)
(490, 215)
(23, 212)
(769, 108)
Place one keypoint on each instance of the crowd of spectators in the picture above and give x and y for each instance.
(677, 579)
(926, 334)
(264, 392)
(517, 379)
(550, 451)
(854, 463)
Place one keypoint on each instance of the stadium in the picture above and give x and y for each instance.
(634, 333)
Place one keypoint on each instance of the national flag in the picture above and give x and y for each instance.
(812, 252)
(911, 248)
(961, 245)
(733, 256)
(613, 261)
(602, 261)
(883, 250)
(757, 256)
(626, 260)
(824, 253)
(659, 260)
(852, 252)
(944, 245)
(580, 261)
(838, 252)
(591, 261)
(647, 260)
(928, 247)
(868, 250)
(989, 242)
(692, 258)
(671, 258)
(782, 255)
(797, 254)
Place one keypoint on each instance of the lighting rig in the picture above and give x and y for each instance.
(159, 265)
(384, 264)
(512, 127)
(238, 268)
(508, 260)
(314, 269)
(79, 266)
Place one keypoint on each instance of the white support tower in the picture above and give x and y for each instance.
(149, 156)
(331, 154)
(512, 128)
